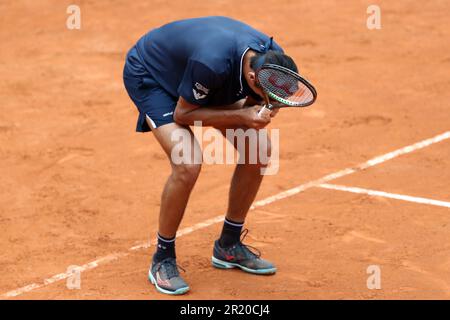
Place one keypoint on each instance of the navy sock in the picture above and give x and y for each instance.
(231, 233)
(165, 249)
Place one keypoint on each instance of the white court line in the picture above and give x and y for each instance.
(260, 203)
(386, 195)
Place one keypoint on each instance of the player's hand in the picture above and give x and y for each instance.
(253, 120)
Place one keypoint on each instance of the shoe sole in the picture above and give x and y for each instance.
(176, 292)
(228, 265)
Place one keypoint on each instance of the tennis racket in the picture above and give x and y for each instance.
(285, 87)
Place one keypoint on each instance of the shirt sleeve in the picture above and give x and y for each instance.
(199, 83)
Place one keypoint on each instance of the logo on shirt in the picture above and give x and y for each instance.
(200, 92)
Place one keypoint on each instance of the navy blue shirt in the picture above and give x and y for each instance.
(201, 59)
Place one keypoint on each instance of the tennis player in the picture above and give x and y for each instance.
(202, 69)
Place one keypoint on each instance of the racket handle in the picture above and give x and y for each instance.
(264, 111)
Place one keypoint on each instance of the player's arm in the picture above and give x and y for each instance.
(187, 113)
(250, 101)
(197, 86)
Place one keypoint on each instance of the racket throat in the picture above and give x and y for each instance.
(266, 109)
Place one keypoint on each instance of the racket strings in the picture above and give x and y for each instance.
(285, 86)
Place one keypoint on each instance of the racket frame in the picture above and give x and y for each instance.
(279, 99)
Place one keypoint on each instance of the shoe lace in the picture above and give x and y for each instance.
(248, 248)
(171, 267)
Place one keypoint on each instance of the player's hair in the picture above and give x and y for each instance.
(272, 57)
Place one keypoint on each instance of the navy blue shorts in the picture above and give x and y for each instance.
(152, 101)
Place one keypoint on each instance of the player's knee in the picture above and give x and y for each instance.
(267, 149)
(186, 173)
(264, 151)
(258, 152)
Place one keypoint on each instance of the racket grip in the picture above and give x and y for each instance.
(264, 111)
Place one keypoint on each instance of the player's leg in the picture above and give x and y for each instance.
(247, 176)
(182, 178)
(156, 108)
(229, 251)
(164, 272)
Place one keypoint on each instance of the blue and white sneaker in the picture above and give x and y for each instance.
(166, 278)
(240, 256)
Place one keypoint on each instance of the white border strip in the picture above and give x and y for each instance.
(260, 203)
(386, 195)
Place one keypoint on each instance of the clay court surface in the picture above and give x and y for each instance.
(78, 184)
